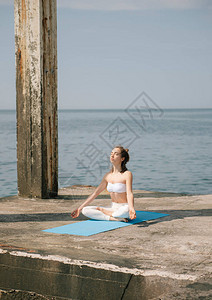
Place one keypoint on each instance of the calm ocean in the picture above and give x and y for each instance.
(170, 150)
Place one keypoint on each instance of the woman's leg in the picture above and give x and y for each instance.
(120, 210)
(93, 213)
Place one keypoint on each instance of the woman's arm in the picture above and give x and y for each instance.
(130, 197)
(97, 191)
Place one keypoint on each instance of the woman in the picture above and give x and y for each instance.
(119, 183)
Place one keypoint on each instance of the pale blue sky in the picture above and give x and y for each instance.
(111, 51)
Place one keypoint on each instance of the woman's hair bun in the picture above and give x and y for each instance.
(127, 150)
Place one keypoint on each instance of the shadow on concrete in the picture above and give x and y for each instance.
(158, 195)
(177, 214)
(44, 217)
(39, 217)
(203, 286)
(136, 195)
(80, 197)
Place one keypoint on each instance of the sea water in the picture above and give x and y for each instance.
(170, 150)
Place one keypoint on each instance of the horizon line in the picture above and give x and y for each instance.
(120, 109)
(128, 6)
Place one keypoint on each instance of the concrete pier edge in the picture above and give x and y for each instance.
(168, 258)
(55, 276)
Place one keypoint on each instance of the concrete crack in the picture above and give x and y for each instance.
(122, 297)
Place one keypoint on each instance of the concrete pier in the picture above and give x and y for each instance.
(168, 258)
(36, 97)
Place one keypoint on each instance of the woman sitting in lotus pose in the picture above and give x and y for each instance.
(119, 183)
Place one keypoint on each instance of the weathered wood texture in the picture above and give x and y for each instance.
(36, 97)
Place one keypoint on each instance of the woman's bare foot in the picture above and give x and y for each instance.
(125, 220)
(109, 213)
(119, 220)
(105, 211)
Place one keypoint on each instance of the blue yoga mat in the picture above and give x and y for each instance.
(90, 227)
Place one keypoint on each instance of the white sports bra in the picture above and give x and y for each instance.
(116, 187)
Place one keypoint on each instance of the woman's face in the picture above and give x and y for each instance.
(115, 156)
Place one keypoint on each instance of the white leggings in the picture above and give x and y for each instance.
(120, 210)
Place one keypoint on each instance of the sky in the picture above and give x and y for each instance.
(111, 51)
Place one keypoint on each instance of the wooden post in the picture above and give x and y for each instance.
(36, 97)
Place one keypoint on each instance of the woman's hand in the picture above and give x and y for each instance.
(97, 191)
(75, 213)
(132, 213)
